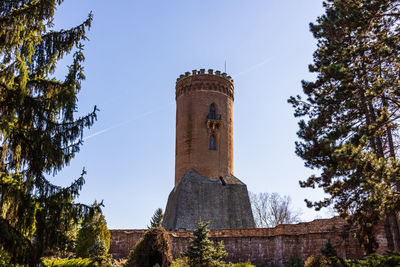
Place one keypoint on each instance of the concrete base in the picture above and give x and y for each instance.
(224, 202)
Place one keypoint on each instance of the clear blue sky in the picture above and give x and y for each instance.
(136, 51)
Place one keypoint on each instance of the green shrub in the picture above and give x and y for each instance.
(294, 261)
(93, 236)
(317, 261)
(119, 262)
(180, 262)
(328, 250)
(154, 247)
(391, 259)
(4, 259)
(105, 260)
(78, 262)
(242, 264)
(183, 262)
(98, 253)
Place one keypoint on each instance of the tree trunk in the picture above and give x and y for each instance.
(392, 217)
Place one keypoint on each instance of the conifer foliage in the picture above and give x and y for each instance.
(39, 133)
(93, 231)
(201, 252)
(157, 219)
(350, 129)
(328, 250)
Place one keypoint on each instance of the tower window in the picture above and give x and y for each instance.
(212, 143)
(211, 116)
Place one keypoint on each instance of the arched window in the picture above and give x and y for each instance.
(212, 143)
(211, 116)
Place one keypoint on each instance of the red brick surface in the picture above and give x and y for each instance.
(265, 246)
(194, 95)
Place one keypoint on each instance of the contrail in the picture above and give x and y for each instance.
(165, 106)
(127, 121)
(104, 130)
(253, 67)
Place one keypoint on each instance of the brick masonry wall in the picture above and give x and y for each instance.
(265, 246)
(194, 95)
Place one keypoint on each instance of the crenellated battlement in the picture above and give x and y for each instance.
(200, 80)
(203, 72)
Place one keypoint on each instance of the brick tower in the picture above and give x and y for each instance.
(204, 129)
(205, 188)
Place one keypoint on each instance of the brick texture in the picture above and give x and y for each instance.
(266, 246)
(194, 95)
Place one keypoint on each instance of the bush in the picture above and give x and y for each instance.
(317, 261)
(93, 229)
(294, 261)
(391, 259)
(78, 262)
(4, 258)
(323, 261)
(98, 253)
(180, 262)
(328, 250)
(183, 262)
(119, 262)
(242, 264)
(154, 247)
(103, 260)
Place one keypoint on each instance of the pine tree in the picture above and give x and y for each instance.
(328, 250)
(201, 252)
(352, 115)
(156, 220)
(39, 133)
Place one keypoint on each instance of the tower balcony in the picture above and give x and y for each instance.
(213, 121)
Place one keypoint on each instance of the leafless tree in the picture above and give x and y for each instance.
(269, 210)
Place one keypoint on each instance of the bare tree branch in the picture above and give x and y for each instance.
(270, 210)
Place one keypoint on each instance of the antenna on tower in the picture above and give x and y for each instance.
(225, 66)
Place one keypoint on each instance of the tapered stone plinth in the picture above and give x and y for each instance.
(224, 202)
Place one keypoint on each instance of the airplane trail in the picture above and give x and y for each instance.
(254, 67)
(127, 121)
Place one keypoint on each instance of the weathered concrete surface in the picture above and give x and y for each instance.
(266, 246)
(224, 202)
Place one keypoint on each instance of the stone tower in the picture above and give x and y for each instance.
(205, 188)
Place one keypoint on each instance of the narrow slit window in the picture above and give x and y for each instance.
(212, 143)
(211, 116)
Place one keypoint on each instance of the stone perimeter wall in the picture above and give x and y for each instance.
(265, 246)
